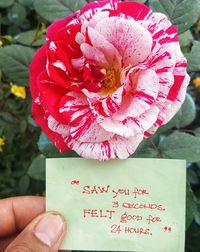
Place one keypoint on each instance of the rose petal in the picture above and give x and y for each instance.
(37, 66)
(50, 95)
(169, 108)
(111, 54)
(117, 147)
(73, 107)
(90, 9)
(140, 98)
(93, 55)
(176, 104)
(56, 26)
(166, 25)
(128, 37)
(135, 10)
(132, 126)
(94, 133)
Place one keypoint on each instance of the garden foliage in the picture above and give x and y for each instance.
(23, 147)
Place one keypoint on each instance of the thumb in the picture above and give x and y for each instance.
(43, 234)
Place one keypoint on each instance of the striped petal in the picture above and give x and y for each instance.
(111, 53)
(94, 55)
(169, 108)
(128, 38)
(90, 9)
(135, 10)
(132, 126)
(117, 147)
(141, 97)
(176, 104)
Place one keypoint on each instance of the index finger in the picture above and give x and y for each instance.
(17, 212)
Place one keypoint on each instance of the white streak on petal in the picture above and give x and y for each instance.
(78, 63)
(80, 38)
(37, 100)
(57, 127)
(52, 46)
(93, 54)
(59, 64)
(120, 128)
(162, 20)
(47, 67)
(91, 12)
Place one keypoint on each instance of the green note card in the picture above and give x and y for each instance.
(119, 205)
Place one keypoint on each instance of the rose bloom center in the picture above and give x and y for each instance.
(111, 81)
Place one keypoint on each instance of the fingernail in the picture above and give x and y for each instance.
(49, 229)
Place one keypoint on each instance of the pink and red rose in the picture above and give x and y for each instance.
(108, 76)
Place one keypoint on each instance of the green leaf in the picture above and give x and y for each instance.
(17, 14)
(31, 122)
(139, 1)
(148, 148)
(23, 126)
(197, 132)
(39, 41)
(184, 117)
(24, 183)
(6, 3)
(193, 58)
(192, 176)
(192, 238)
(186, 38)
(15, 60)
(187, 113)
(43, 142)
(8, 126)
(13, 29)
(52, 10)
(197, 214)
(30, 38)
(146, 152)
(26, 3)
(182, 13)
(198, 164)
(181, 145)
(190, 206)
(37, 168)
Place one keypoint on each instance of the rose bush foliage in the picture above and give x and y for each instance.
(108, 77)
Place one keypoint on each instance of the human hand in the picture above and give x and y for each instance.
(25, 227)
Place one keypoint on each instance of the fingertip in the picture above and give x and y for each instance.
(50, 228)
(45, 233)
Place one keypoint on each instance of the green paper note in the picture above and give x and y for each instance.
(119, 205)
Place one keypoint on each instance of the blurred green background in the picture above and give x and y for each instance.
(23, 148)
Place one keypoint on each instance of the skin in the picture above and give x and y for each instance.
(16, 214)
